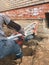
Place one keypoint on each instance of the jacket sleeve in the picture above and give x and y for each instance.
(14, 25)
(11, 24)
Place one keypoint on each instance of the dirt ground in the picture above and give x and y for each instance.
(35, 54)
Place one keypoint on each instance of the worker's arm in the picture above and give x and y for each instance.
(12, 24)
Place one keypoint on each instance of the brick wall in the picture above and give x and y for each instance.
(32, 12)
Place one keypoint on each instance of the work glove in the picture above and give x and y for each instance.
(22, 31)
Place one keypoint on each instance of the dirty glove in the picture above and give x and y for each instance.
(21, 31)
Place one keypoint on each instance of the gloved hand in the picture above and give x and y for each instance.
(22, 31)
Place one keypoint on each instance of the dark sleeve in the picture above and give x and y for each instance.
(14, 25)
